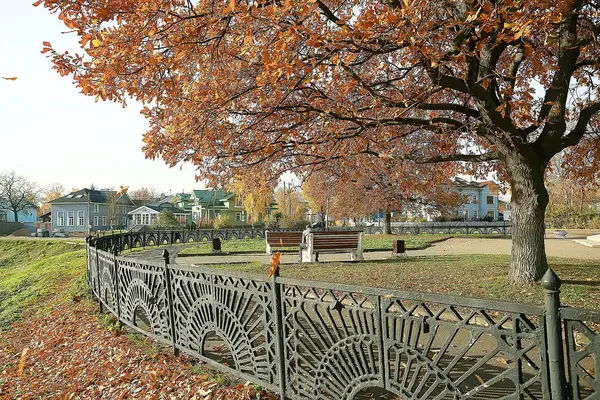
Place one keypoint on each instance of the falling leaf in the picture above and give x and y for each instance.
(12, 78)
(274, 263)
(479, 379)
(22, 361)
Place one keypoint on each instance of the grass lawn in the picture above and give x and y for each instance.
(372, 242)
(482, 276)
(31, 269)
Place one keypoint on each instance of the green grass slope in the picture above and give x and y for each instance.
(31, 270)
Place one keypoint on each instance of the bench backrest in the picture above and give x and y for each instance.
(289, 239)
(334, 240)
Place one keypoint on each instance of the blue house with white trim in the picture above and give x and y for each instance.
(27, 215)
(481, 199)
(90, 208)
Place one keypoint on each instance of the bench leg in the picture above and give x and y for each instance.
(306, 256)
(355, 255)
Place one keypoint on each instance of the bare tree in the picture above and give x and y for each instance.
(17, 193)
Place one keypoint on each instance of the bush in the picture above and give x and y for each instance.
(270, 221)
(222, 221)
(292, 223)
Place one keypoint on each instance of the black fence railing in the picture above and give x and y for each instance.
(316, 340)
(448, 228)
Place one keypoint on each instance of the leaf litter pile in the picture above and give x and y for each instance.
(70, 354)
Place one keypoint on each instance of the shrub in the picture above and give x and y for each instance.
(222, 221)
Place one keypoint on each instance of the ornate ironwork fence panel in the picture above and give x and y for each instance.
(340, 340)
(237, 310)
(582, 332)
(313, 340)
(143, 300)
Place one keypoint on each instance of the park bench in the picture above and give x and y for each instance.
(282, 239)
(333, 242)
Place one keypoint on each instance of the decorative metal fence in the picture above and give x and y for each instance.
(315, 340)
(447, 228)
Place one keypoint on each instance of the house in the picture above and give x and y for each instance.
(481, 199)
(206, 205)
(88, 210)
(27, 216)
(148, 214)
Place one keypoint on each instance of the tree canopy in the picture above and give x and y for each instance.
(293, 85)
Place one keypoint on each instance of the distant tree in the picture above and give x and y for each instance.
(255, 194)
(54, 191)
(384, 185)
(167, 218)
(17, 193)
(145, 194)
(291, 204)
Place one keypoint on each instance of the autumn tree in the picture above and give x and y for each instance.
(17, 193)
(145, 194)
(254, 192)
(288, 85)
(54, 191)
(385, 186)
(291, 205)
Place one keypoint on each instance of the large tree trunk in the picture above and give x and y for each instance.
(16, 214)
(528, 205)
(387, 223)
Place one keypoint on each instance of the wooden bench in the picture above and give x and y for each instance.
(333, 242)
(282, 239)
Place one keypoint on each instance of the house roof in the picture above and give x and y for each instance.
(95, 196)
(158, 208)
(211, 196)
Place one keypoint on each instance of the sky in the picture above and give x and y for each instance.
(50, 133)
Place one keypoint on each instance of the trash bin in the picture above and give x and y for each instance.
(216, 244)
(399, 247)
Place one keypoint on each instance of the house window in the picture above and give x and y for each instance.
(138, 219)
(238, 201)
(104, 220)
(490, 214)
(95, 220)
(71, 218)
(3, 217)
(80, 218)
(475, 214)
(145, 219)
(152, 219)
(60, 217)
(490, 199)
(96, 208)
(238, 216)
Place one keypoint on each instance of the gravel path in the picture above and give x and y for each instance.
(566, 248)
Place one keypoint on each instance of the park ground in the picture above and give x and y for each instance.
(54, 343)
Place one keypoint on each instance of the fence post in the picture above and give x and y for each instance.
(115, 254)
(279, 348)
(556, 361)
(170, 299)
(98, 294)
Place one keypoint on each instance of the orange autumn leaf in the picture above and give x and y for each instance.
(22, 361)
(275, 259)
(12, 78)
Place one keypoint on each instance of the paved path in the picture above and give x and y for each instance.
(566, 248)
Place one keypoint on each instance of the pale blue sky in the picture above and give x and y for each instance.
(51, 133)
